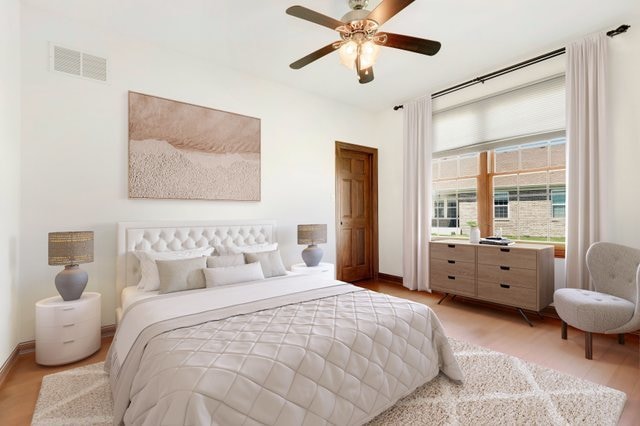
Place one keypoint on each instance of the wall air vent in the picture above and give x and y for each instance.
(76, 63)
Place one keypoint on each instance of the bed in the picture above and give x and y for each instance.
(290, 350)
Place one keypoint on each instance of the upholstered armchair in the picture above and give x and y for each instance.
(614, 306)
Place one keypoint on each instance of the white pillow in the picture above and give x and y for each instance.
(253, 248)
(150, 279)
(226, 275)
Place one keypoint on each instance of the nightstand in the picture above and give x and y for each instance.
(327, 270)
(67, 331)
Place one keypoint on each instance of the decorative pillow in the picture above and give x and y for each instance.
(270, 261)
(227, 260)
(226, 275)
(182, 274)
(150, 281)
(253, 248)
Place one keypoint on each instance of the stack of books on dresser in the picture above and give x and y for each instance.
(497, 241)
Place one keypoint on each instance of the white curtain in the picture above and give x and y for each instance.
(586, 133)
(417, 193)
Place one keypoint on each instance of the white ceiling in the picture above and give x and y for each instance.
(256, 36)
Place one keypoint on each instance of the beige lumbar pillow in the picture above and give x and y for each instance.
(180, 275)
(226, 275)
(270, 261)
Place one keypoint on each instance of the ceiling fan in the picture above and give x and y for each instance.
(360, 40)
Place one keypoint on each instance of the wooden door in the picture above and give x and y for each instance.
(356, 212)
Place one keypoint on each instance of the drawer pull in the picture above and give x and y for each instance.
(506, 250)
(505, 268)
(451, 277)
(68, 341)
(451, 245)
(451, 261)
(68, 325)
(505, 286)
(68, 309)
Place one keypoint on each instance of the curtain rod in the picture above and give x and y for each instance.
(621, 29)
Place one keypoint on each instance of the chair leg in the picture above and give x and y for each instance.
(588, 348)
(621, 338)
(564, 330)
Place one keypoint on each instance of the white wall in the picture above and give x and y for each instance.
(622, 173)
(9, 173)
(74, 153)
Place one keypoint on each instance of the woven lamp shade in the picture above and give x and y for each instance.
(312, 234)
(70, 248)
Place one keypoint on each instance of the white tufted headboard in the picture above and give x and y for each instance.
(171, 236)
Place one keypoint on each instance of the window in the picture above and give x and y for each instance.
(500, 160)
(558, 203)
(529, 179)
(522, 186)
(452, 208)
(501, 205)
(438, 211)
(455, 194)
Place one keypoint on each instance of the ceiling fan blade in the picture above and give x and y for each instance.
(365, 75)
(412, 44)
(314, 56)
(387, 10)
(313, 16)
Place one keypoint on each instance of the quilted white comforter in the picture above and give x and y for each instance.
(302, 351)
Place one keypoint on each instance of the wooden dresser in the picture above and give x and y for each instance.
(520, 275)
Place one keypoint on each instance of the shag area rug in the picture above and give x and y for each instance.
(498, 389)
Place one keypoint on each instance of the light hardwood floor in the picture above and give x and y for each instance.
(613, 365)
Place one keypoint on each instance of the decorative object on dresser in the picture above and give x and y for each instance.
(312, 235)
(183, 151)
(614, 305)
(71, 249)
(521, 275)
(67, 331)
(474, 232)
(327, 270)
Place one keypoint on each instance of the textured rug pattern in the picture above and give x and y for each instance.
(498, 389)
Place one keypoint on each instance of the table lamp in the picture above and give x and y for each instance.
(312, 235)
(71, 249)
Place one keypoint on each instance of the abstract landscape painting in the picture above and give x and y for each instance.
(184, 151)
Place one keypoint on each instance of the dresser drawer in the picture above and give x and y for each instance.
(68, 331)
(453, 251)
(451, 283)
(506, 294)
(62, 315)
(507, 256)
(501, 274)
(453, 267)
(64, 352)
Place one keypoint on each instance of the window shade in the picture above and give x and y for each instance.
(529, 110)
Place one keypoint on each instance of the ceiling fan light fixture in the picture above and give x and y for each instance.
(360, 40)
(369, 52)
(348, 53)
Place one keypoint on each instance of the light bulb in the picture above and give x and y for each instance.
(348, 53)
(368, 54)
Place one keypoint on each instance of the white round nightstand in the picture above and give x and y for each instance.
(326, 269)
(67, 331)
